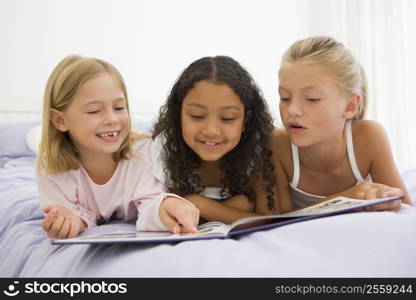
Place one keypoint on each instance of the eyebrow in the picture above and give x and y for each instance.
(100, 101)
(221, 108)
(310, 87)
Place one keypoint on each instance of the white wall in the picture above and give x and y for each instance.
(149, 41)
(152, 41)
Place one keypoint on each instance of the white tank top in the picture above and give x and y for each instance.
(302, 199)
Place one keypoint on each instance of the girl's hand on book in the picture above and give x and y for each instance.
(389, 206)
(180, 216)
(384, 192)
(376, 190)
(61, 223)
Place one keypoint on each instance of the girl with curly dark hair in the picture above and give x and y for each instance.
(212, 137)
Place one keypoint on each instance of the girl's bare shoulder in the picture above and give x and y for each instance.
(367, 130)
(369, 137)
(281, 146)
(279, 139)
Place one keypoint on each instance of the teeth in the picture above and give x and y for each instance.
(108, 134)
(209, 143)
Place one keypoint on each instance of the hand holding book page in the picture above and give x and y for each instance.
(210, 230)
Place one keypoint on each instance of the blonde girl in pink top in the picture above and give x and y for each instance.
(91, 167)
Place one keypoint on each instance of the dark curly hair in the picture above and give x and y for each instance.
(242, 165)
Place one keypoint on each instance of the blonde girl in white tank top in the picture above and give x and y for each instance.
(323, 99)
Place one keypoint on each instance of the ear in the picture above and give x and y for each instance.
(352, 106)
(58, 120)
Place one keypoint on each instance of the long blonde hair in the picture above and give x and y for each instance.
(57, 153)
(336, 60)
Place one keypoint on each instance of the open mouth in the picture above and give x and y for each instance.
(295, 127)
(209, 144)
(109, 135)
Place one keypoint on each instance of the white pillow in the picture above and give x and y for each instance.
(13, 139)
(33, 138)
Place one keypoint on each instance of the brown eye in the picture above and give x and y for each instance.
(196, 117)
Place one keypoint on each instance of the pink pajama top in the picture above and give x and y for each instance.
(132, 192)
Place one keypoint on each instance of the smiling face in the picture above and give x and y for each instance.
(312, 107)
(97, 118)
(212, 119)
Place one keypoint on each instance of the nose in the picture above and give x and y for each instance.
(110, 117)
(295, 108)
(211, 128)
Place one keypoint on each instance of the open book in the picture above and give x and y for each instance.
(211, 230)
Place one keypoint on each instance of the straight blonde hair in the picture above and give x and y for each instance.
(57, 152)
(336, 60)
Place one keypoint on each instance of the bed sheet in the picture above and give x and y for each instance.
(381, 244)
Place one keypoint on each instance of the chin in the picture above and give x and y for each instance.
(209, 158)
(300, 143)
(112, 149)
(303, 145)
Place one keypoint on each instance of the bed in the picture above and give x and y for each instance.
(380, 244)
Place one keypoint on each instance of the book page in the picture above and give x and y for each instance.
(338, 204)
(334, 205)
(129, 235)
